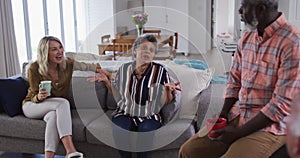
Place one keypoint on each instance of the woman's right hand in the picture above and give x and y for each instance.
(43, 94)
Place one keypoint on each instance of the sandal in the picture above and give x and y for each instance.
(75, 155)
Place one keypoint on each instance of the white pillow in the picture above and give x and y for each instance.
(193, 81)
(87, 56)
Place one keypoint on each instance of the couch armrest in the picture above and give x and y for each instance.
(210, 103)
(204, 101)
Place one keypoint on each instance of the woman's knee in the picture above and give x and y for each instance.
(122, 121)
(148, 125)
(62, 103)
(50, 116)
(184, 151)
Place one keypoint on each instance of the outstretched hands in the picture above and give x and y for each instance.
(171, 89)
(103, 76)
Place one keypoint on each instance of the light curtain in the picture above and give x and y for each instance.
(9, 60)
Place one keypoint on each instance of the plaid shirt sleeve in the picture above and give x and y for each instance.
(287, 85)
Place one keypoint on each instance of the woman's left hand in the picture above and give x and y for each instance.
(172, 87)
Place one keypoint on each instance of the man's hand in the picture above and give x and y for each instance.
(229, 134)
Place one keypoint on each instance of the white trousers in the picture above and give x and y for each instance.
(56, 114)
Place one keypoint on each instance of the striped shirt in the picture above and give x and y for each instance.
(140, 97)
(265, 74)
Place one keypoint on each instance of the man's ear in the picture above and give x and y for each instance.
(260, 10)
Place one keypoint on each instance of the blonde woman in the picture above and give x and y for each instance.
(54, 108)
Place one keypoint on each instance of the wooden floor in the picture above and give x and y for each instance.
(217, 60)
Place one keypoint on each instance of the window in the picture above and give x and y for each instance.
(36, 24)
(69, 20)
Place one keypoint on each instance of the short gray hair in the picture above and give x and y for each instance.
(143, 38)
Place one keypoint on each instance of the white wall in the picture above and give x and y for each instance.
(170, 16)
(99, 21)
(191, 19)
(294, 13)
(122, 15)
(200, 26)
(222, 16)
(284, 7)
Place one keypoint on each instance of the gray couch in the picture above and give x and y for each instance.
(91, 112)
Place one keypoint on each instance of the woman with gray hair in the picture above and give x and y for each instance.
(54, 107)
(141, 88)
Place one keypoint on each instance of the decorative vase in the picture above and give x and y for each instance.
(139, 29)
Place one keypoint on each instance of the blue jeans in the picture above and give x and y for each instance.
(126, 123)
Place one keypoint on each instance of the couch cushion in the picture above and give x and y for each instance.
(110, 102)
(80, 119)
(174, 134)
(100, 129)
(84, 94)
(170, 136)
(22, 127)
(170, 110)
(12, 93)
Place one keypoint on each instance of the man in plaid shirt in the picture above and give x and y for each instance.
(264, 78)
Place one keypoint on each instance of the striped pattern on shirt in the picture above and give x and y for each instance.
(140, 97)
(265, 74)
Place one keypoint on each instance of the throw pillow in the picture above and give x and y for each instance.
(25, 67)
(12, 93)
(193, 81)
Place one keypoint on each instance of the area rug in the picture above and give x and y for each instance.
(201, 65)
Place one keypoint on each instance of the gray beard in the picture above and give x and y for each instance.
(252, 26)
